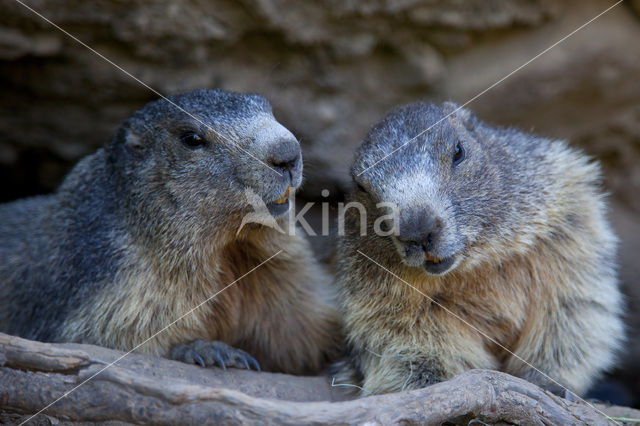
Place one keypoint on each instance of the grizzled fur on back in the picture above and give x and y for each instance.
(517, 245)
(146, 228)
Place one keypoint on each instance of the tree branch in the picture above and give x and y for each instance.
(143, 389)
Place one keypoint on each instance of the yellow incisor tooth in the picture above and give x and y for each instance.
(284, 197)
(435, 260)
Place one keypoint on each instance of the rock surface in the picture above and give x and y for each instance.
(331, 68)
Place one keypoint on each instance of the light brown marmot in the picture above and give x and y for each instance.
(501, 231)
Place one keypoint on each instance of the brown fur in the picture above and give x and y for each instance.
(280, 313)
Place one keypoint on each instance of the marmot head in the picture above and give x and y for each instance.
(189, 172)
(456, 187)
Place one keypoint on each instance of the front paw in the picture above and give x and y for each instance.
(213, 353)
(421, 374)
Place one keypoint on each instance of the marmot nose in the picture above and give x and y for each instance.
(284, 156)
(420, 229)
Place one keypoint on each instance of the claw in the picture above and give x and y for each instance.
(199, 359)
(253, 362)
(246, 364)
(220, 361)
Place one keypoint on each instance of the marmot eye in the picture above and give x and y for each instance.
(361, 188)
(192, 140)
(458, 154)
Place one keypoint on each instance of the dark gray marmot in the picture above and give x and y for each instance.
(146, 228)
(503, 231)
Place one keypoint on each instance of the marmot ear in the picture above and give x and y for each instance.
(129, 140)
(465, 116)
(126, 142)
(132, 142)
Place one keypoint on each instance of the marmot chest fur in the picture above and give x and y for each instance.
(497, 251)
(150, 227)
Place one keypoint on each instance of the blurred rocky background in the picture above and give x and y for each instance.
(331, 68)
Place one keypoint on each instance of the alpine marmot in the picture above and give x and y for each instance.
(496, 243)
(146, 229)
